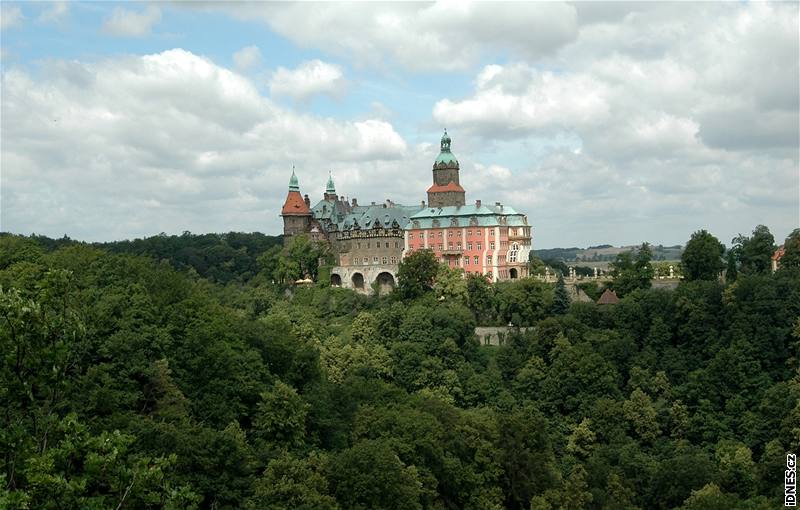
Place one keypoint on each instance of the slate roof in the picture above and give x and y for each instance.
(469, 216)
(330, 210)
(365, 216)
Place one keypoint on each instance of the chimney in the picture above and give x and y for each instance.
(477, 203)
(307, 201)
(355, 202)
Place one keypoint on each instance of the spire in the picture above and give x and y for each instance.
(445, 141)
(330, 188)
(293, 184)
(445, 156)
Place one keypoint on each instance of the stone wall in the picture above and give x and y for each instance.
(495, 335)
(362, 278)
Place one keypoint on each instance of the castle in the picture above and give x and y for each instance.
(369, 241)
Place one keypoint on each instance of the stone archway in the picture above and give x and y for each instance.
(358, 281)
(512, 273)
(385, 282)
(336, 280)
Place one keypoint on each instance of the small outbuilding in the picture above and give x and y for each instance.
(609, 297)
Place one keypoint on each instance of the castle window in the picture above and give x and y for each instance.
(440, 247)
(469, 232)
(488, 259)
(385, 260)
(476, 260)
(454, 222)
(415, 224)
(394, 260)
(375, 260)
(478, 232)
(397, 244)
(491, 232)
(440, 234)
(491, 245)
(479, 246)
(458, 246)
(512, 254)
(435, 223)
(411, 235)
(356, 260)
(469, 246)
(359, 246)
(366, 261)
(387, 244)
(450, 246)
(466, 260)
(367, 245)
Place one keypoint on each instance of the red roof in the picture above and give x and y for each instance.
(295, 205)
(451, 186)
(609, 297)
(778, 253)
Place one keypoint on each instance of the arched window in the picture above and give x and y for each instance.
(513, 252)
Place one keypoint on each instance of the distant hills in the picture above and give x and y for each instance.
(605, 253)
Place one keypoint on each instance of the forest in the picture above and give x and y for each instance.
(187, 372)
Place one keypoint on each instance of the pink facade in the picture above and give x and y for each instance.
(500, 252)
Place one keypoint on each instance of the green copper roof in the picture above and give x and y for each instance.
(293, 184)
(330, 188)
(445, 156)
(468, 216)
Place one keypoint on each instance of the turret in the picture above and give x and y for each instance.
(295, 211)
(446, 190)
(330, 189)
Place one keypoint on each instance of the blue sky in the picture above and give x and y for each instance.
(616, 123)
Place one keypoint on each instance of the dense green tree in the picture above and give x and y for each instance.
(732, 271)
(141, 382)
(480, 298)
(631, 273)
(755, 252)
(561, 299)
(417, 273)
(791, 256)
(371, 475)
(450, 285)
(702, 257)
(291, 483)
(281, 416)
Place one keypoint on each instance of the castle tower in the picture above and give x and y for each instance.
(295, 212)
(330, 190)
(446, 190)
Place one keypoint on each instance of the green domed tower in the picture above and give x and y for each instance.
(446, 190)
(330, 189)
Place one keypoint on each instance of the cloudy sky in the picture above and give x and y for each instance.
(605, 123)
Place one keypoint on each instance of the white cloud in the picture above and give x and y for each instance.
(247, 58)
(54, 13)
(10, 16)
(127, 23)
(695, 125)
(308, 79)
(117, 149)
(420, 36)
